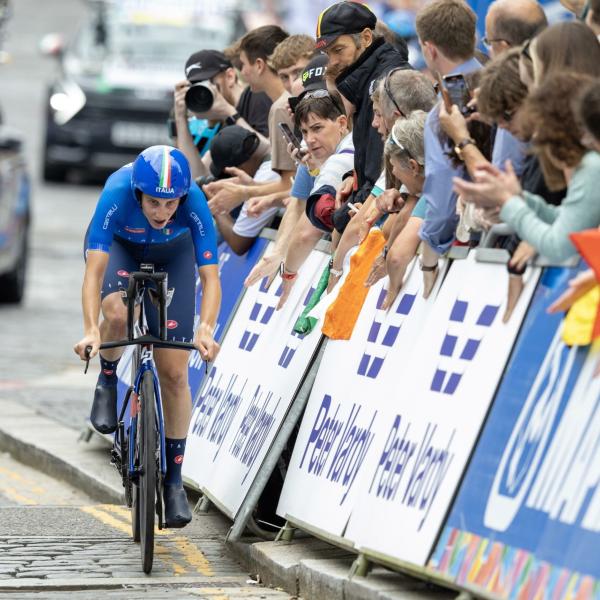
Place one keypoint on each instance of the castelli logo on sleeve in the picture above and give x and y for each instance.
(178, 459)
(208, 255)
(123, 273)
(172, 324)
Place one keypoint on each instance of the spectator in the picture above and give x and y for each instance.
(501, 96)
(406, 152)
(239, 152)
(311, 79)
(255, 105)
(320, 116)
(446, 30)
(592, 19)
(255, 49)
(290, 57)
(510, 23)
(587, 111)
(357, 56)
(556, 132)
(588, 114)
(565, 46)
(396, 96)
(231, 103)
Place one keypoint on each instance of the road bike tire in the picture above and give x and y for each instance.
(148, 446)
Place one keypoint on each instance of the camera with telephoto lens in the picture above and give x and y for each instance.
(199, 98)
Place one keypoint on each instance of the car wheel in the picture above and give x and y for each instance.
(12, 284)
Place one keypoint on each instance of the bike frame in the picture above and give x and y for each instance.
(143, 361)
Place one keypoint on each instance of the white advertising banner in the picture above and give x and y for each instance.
(342, 421)
(249, 388)
(431, 410)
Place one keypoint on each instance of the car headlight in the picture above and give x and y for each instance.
(66, 101)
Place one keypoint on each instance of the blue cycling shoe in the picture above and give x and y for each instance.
(104, 407)
(177, 509)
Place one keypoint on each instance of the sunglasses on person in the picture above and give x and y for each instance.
(388, 91)
(487, 42)
(525, 50)
(320, 94)
(393, 140)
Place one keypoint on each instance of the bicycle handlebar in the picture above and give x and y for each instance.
(149, 339)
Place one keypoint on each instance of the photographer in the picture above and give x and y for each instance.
(212, 91)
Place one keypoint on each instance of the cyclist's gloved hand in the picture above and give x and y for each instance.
(206, 344)
(91, 339)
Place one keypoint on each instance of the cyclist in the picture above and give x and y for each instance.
(150, 212)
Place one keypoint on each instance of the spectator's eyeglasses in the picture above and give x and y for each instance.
(487, 42)
(392, 139)
(388, 91)
(525, 50)
(507, 115)
(325, 94)
(317, 94)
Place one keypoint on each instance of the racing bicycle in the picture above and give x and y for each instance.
(139, 444)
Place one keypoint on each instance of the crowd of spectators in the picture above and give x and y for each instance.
(432, 159)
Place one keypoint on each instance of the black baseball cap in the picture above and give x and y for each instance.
(231, 147)
(343, 18)
(313, 75)
(313, 78)
(205, 64)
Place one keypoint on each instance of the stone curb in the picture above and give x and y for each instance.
(312, 569)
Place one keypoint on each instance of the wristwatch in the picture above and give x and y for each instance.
(233, 119)
(286, 274)
(462, 144)
(334, 272)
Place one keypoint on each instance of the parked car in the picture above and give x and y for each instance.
(114, 91)
(15, 216)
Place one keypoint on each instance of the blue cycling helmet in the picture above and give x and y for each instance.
(161, 172)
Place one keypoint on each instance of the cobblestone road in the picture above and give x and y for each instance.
(55, 540)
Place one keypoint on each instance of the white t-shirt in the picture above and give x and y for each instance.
(336, 166)
(250, 227)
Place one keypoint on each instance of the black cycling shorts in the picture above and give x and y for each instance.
(177, 259)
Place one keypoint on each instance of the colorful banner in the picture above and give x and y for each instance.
(342, 422)
(434, 410)
(250, 387)
(526, 521)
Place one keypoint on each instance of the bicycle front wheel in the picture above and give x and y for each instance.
(148, 448)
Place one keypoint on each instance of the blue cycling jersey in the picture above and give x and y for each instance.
(119, 214)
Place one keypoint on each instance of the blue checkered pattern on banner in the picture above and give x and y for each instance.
(466, 330)
(295, 338)
(261, 313)
(383, 334)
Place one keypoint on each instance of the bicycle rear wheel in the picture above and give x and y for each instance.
(148, 447)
